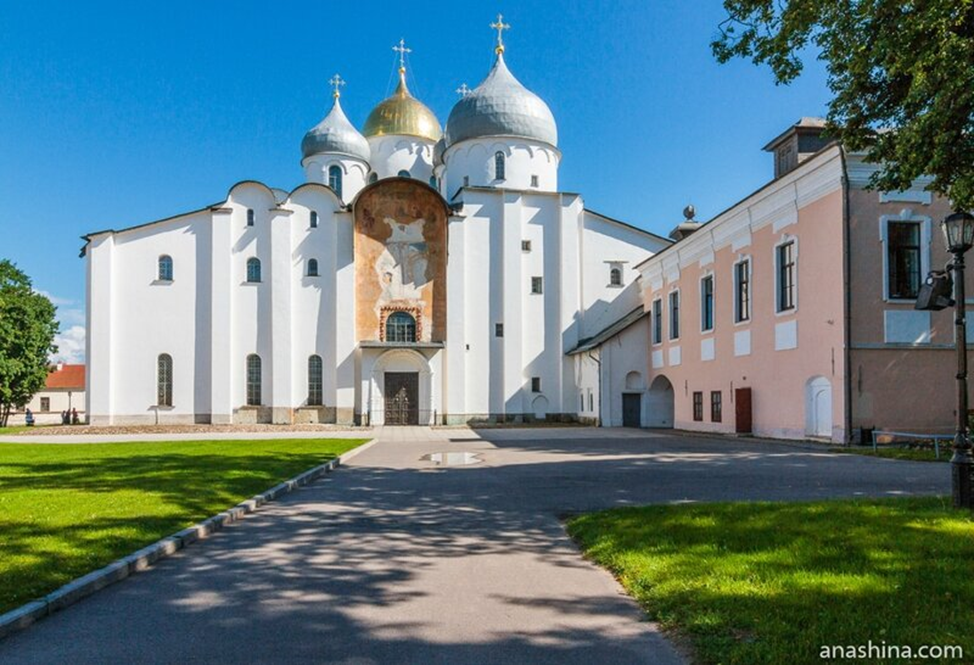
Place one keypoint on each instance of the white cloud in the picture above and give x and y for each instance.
(56, 301)
(71, 345)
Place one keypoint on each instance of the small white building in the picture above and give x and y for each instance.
(419, 275)
(63, 391)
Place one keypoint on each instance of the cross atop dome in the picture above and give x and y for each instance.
(463, 90)
(401, 49)
(336, 83)
(500, 27)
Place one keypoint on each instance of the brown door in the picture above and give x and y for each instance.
(401, 398)
(742, 410)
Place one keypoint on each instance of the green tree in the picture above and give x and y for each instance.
(901, 72)
(27, 330)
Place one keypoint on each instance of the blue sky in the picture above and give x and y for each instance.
(121, 113)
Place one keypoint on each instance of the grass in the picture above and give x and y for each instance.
(66, 510)
(772, 583)
(912, 454)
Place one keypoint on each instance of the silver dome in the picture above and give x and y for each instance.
(335, 134)
(501, 106)
(438, 151)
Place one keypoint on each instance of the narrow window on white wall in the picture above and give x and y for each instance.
(314, 219)
(164, 380)
(466, 181)
(253, 270)
(657, 321)
(903, 259)
(373, 177)
(335, 179)
(742, 291)
(165, 268)
(615, 276)
(250, 217)
(591, 402)
(581, 401)
(312, 267)
(499, 170)
(707, 303)
(315, 384)
(498, 330)
(253, 380)
(525, 245)
(534, 181)
(675, 315)
(537, 285)
(786, 276)
(536, 384)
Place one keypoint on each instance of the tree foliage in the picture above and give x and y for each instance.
(901, 72)
(27, 330)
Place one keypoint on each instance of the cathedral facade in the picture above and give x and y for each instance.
(421, 274)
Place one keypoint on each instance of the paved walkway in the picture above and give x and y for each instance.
(396, 560)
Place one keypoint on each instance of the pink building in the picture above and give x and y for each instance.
(790, 314)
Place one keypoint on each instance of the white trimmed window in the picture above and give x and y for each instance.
(674, 315)
(742, 291)
(707, 303)
(786, 282)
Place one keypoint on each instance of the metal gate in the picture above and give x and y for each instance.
(401, 398)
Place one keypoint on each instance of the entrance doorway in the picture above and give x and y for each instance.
(818, 407)
(631, 409)
(401, 393)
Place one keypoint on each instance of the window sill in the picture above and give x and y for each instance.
(161, 282)
(615, 286)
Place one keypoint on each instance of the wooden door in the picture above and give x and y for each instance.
(742, 410)
(631, 409)
(401, 398)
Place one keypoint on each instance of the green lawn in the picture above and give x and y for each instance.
(66, 510)
(772, 583)
(913, 454)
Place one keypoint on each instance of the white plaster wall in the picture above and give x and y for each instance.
(475, 160)
(391, 154)
(622, 354)
(605, 241)
(355, 172)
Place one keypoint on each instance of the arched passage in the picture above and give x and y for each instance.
(818, 407)
(540, 407)
(660, 403)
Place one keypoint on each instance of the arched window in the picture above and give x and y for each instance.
(253, 269)
(253, 380)
(165, 268)
(400, 327)
(404, 174)
(315, 386)
(335, 179)
(499, 165)
(312, 267)
(164, 380)
(433, 182)
(373, 177)
(615, 277)
(250, 217)
(314, 219)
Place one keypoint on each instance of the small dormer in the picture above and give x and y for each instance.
(797, 143)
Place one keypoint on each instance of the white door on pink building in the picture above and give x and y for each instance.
(818, 408)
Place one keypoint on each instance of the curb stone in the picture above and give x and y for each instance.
(81, 587)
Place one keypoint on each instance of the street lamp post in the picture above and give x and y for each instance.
(958, 231)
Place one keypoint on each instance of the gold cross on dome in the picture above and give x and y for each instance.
(401, 49)
(500, 27)
(463, 90)
(336, 83)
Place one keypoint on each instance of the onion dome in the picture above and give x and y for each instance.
(403, 115)
(501, 106)
(438, 150)
(335, 134)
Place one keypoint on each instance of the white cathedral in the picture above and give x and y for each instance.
(420, 275)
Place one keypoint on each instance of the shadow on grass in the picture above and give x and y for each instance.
(755, 583)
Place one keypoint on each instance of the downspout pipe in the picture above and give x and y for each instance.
(598, 362)
(847, 297)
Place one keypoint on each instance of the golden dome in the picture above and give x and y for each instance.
(403, 115)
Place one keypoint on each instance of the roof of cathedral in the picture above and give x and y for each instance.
(501, 106)
(401, 114)
(609, 331)
(335, 134)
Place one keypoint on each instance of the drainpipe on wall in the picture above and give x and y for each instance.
(598, 362)
(847, 299)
